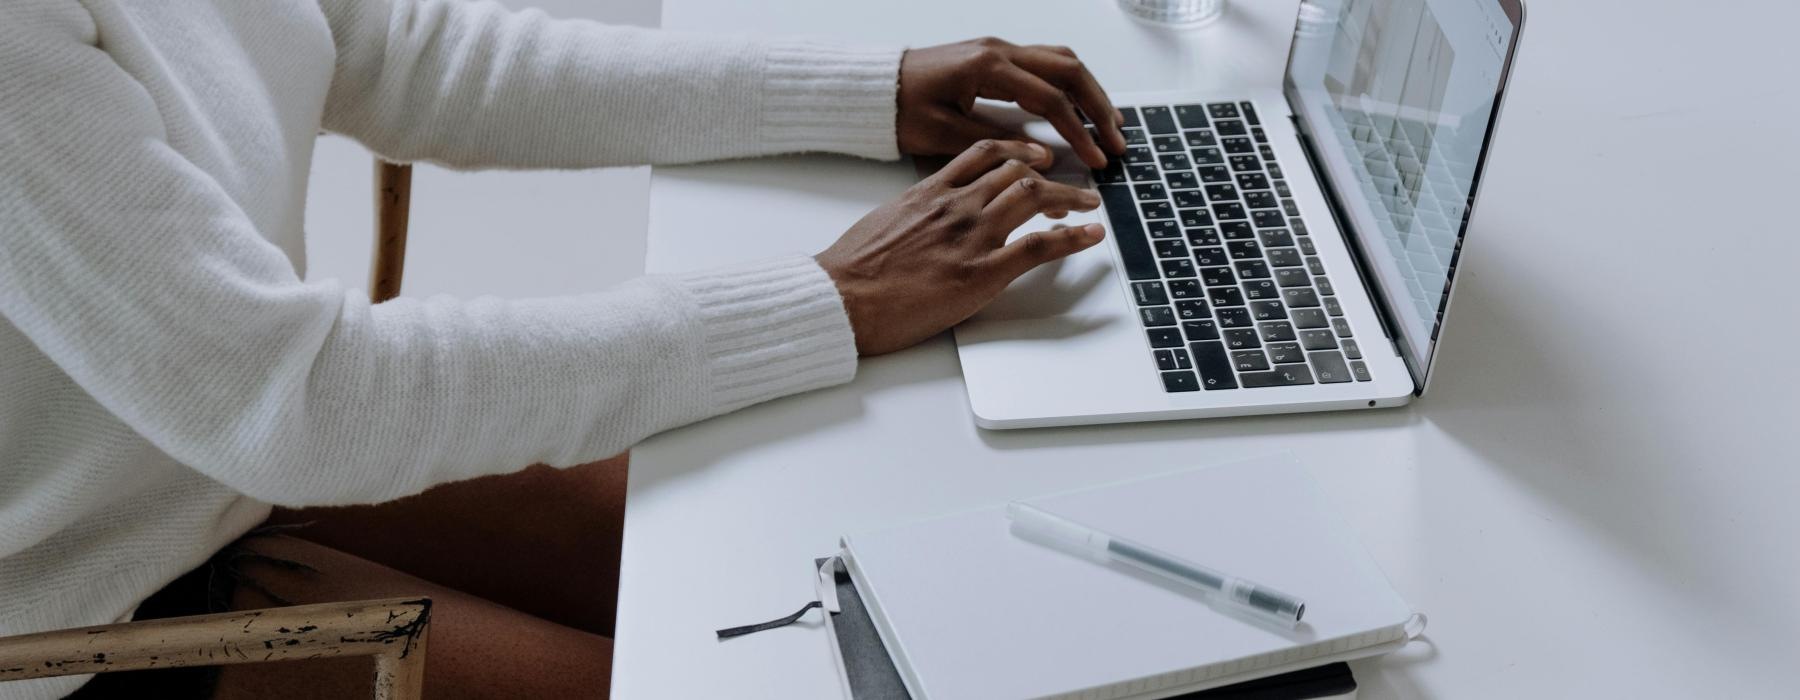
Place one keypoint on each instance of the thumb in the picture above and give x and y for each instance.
(1034, 249)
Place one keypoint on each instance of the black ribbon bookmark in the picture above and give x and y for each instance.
(772, 624)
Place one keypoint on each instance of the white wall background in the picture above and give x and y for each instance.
(513, 234)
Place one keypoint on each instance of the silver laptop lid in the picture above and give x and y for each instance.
(1397, 101)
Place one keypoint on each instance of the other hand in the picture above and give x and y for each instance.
(939, 84)
(932, 258)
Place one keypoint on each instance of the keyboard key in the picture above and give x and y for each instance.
(1284, 257)
(1268, 310)
(1201, 139)
(1157, 316)
(1268, 154)
(1213, 364)
(1134, 249)
(1222, 110)
(1188, 199)
(1168, 144)
(1189, 309)
(1315, 265)
(1292, 209)
(1191, 116)
(1237, 144)
(1114, 173)
(1268, 219)
(1275, 237)
(1325, 286)
(1163, 229)
(1277, 331)
(1165, 360)
(1359, 370)
(1217, 276)
(1210, 256)
(1178, 268)
(1341, 327)
(1244, 250)
(1221, 193)
(1184, 289)
(1207, 156)
(1170, 248)
(1252, 181)
(1145, 172)
(1351, 350)
(1259, 200)
(1158, 120)
(1200, 330)
(1157, 210)
(1236, 230)
(1228, 211)
(1182, 181)
(1249, 360)
(1164, 338)
(1131, 116)
(1252, 269)
(1177, 382)
(1300, 298)
(1306, 242)
(1139, 155)
(1328, 366)
(1240, 338)
(1203, 237)
(1281, 187)
(1275, 171)
(1181, 358)
(1284, 353)
(1229, 127)
(1149, 293)
(1317, 339)
(1289, 277)
(1244, 163)
(1260, 289)
(1135, 137)
(1309, 318)
(1298, 226)
(1284, 375)
(1150, 191)
(1214, 173)
(1235, 317)
(1332, 307)
(1196, 218)
(1249, 112)
(1175, 161)
(1256, 132)
(1225, 296)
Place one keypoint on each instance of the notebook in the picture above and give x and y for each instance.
(868, 674)
(966, 609)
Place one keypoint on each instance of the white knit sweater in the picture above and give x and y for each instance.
(165, 373)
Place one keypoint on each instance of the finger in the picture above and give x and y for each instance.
(987, 154)
(990, 185)
(962, 129)
(1029, 197)
(1060, 66)
(1016, 84)
(1034, 249)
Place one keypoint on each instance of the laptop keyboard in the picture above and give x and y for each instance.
(1228, 285)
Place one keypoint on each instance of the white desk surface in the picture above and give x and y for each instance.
(1597, 498)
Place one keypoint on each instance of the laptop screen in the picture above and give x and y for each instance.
(1398, 98)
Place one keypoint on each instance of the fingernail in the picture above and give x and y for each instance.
(1092, 232)
(1040, 150)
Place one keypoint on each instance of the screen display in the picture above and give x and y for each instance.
(1397, 97)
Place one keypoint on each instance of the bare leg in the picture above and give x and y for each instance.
(543, 541)
(478, 649)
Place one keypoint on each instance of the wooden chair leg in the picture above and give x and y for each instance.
(393, 204)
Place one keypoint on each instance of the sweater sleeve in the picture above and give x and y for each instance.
(473, 84)
(132, 269)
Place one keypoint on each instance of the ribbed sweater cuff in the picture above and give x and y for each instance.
(828, 97)
(771, 329)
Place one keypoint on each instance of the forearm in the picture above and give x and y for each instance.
(476, 85)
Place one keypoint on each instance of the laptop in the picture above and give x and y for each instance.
(1282, 249)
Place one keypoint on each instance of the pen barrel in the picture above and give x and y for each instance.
(1261, 600)
(1045, 526)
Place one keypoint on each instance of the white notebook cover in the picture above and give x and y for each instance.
(968, 610)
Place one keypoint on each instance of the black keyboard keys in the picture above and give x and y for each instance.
(1221, 193)
(1196, 218)
(1157, 210)
(1164, 337)
(1269, 310)
(1187, 199)
(1163, 229)
(1236, 317)
(1225, 296)
(1184, 289)
(1278, 331)
(1210, 256)
(1291, 277)
(1207, 156)
(1351, 350)
(1237, 144)
(1317, 339)
(1213, 364)
(1249, 360)
(1178, 268)
(1282, 375)
(1157, 316)
(1182, 181)
(1175, 161)
(1284, 353)
(1168, 144)
(1200, 139)
(1191, 116)
(1158, 120)
(1149, 293)
(1174, 359)
(1241, 338)
(1229, 127)
(1245, 163)
(1228, 211)
(1284, 257)
(1222, 110)
(1249, 112)
(1176, 382)
(1359, 370)
(1267, 219)
(1259, 200)
(1200, 330)
(1170, 248)
(1131, 116)
(1134, 249)
(1253, 181)
(1144, 172)
(1190, 309)
(1310, 318)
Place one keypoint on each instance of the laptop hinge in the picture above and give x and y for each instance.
(1364, 270)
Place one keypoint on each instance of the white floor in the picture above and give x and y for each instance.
(511, 234)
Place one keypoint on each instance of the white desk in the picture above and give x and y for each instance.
(1596, 499)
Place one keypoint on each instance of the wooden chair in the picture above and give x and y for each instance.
(391, 630)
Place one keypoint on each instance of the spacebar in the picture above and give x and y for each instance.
(1128, 231)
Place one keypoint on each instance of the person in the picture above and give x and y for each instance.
(169, 382)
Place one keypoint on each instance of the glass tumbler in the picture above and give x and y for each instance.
(1174, 13)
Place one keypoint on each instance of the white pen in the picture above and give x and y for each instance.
(1264, 601)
